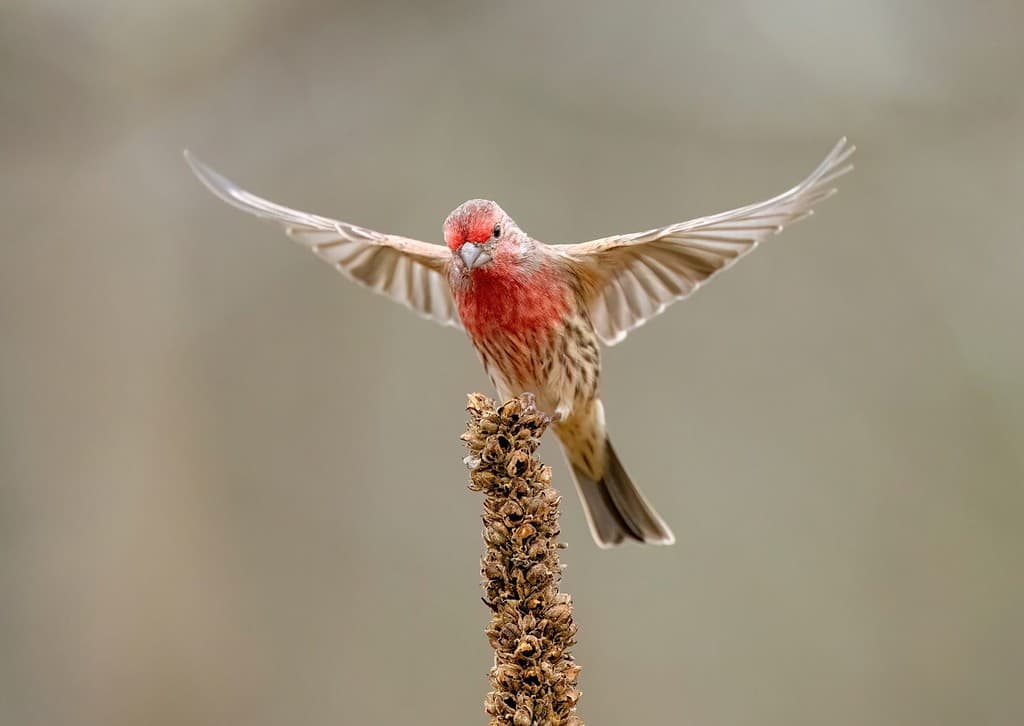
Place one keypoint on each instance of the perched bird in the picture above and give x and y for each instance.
(536, 312)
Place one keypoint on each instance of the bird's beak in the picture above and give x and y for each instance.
(473, 255)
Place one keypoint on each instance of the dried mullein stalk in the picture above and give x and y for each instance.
(531, 629)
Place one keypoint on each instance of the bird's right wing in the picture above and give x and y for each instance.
(408, 271)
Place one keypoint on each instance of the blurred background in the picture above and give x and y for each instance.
(231, 487)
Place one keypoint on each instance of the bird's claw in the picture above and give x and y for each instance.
(530, 404)
(561, 413)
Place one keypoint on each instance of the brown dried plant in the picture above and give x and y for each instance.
(534, 676)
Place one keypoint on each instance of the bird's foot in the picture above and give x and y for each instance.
(561, 413)
(530, 404)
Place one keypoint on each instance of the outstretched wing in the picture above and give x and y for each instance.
(639, 275)
(406, 270)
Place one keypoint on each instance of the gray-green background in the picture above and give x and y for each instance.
(230, 481)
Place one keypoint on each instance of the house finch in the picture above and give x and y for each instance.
(536, 312)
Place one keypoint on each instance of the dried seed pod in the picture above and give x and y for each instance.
(489, 425)
(512, 511)
(524, 532)
(496, 533)
(517, 463)
(528, 647)
(537, 573)
(523, 717)
(559, 613)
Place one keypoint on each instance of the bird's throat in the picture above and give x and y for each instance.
(493, 303)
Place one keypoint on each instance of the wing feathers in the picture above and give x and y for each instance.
(638, 275)
(408, 271)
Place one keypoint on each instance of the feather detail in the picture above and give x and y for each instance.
(496, 301)
(639, 275)
(408, 271)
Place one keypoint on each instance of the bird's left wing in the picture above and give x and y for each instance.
(636, 276)
(406, 270)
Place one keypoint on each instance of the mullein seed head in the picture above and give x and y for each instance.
(534, 676)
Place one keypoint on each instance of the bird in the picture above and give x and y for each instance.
(538, 313)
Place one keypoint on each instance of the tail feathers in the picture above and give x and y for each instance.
(615, 508)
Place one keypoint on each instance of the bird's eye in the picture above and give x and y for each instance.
(497, 231)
